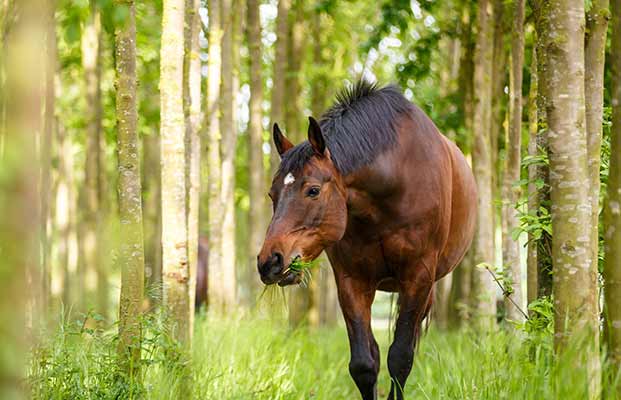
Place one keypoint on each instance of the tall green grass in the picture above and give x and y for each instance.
(257, 358)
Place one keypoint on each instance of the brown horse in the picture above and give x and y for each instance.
(390, 200)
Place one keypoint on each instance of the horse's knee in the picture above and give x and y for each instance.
(400, 360)
(364, 372)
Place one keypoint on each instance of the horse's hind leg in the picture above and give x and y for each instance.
(355, 298)
(414, 301)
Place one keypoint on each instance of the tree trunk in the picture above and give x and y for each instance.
(229, 141)
(612, 210)
(532, 286)
(544, 244)
(91, 62)
(594, 55)
(573, 284)
(131, 252)
(216, 293)
(192, 106)
(295, 57)
(277, 113)
(175, 269)
(152, 216)
(19, 199)
(511, 192)
(46, 153)
(483, 290)
(256, 172)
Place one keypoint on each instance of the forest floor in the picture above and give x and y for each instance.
(258, 358)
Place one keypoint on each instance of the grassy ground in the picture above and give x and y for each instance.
(249, 358)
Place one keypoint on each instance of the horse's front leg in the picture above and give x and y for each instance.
(355, 298)
(414, 302)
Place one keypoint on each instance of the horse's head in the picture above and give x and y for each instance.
(310, 210)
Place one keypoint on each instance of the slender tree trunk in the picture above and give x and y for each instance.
(594, 55)
(573, 285)
(277, 113)
(19, 199)
(544, 244)
(91, 62)
(511, 247)
(295, 53)
(256, 171)
(152, 216)
(497, 129)
(460, 295)
(483, 291)
(229, 141)
(192, 105)
(216, 294)
(532, 287)
(131, 252)
(612, 210)
(302, 305)
(175, 269)
(46, 154)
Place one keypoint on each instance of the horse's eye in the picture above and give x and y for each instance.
(313, 191)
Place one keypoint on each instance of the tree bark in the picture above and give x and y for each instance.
(229, 141)
(175, 269)
(131, 252)
(277, 112)
(91, 62)
(23, 60)
(532, 286)
(483, 291)
(192, 110)
(511, 192)
(152, 211)
(216, 292)
(544, 244)
(594, 56)
(295, 57)
(46, 153)
(256, 171)
(612, 210)
(573, 284)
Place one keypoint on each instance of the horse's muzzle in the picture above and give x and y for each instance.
(271, 270)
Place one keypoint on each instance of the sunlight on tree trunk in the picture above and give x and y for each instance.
(192, 110)
(90, 241)
(511, 188)
(46, 155)
(130, 258)
(483, 290)
(23, 61)
(256, 172)
(216, 293)
(228, 130)
(612, 209)
(175, 269)
(574, 287)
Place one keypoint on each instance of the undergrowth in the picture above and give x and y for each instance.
(250, 357)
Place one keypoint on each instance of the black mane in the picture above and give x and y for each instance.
(358, 127)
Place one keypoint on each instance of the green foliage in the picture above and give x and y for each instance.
(258, 358)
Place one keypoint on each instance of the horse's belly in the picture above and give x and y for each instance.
(388, 285)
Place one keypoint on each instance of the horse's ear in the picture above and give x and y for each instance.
(282, 143)
(315, 137)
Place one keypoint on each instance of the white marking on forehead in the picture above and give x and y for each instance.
(289, 179)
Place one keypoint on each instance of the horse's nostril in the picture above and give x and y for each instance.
(277, 259)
